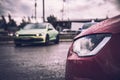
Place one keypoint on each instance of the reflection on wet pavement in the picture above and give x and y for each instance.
(33, 62)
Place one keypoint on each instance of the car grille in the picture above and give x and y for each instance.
(27, 34)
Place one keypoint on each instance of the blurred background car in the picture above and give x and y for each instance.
(68, 34)
(36, 33)
(86, 26)
(68, 31)
(95, 53)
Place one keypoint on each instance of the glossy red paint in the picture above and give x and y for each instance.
(105, 65)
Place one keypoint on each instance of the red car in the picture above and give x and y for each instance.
(95, 53)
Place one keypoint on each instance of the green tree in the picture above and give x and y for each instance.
(52, 19)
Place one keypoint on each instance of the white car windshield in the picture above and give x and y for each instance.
(35, 26)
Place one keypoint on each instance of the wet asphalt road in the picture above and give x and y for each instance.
(33, 62)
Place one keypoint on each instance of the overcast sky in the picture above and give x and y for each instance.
(73, 9)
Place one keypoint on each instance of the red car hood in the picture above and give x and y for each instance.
(111, 25)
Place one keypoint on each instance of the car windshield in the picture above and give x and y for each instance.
(35, 26)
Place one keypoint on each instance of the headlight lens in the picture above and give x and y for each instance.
(17, 35)
(40, 34)
(37, 35)
(10, 34)
(91, 44)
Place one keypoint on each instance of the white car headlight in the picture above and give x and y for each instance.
(40, 34)
(10, 34)
(91, 44)
(17, 35)
(37, 35)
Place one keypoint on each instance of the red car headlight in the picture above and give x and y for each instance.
(90, 45)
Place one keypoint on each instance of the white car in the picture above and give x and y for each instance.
(36, 33)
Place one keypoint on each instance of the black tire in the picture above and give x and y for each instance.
(57, 39)
(47, 40)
